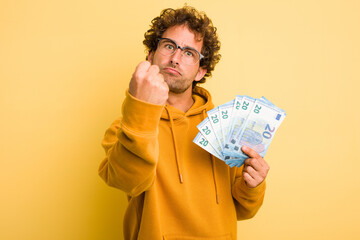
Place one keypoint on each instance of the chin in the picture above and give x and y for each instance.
(178, 90)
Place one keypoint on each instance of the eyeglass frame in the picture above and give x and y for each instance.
(181, 48)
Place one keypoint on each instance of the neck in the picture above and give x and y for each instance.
(182, 101)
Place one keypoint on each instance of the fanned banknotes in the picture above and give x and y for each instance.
(242, 121)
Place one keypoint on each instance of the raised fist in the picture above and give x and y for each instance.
(148, 85)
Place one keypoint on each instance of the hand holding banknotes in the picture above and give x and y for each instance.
(244, 121)
(255, 168)
(147, 84)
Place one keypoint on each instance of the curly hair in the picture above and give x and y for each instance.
(198, 23)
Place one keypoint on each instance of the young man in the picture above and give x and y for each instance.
(177, 190)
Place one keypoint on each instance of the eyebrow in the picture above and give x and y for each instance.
(187, 46)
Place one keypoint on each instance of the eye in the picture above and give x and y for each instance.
(169, 46)
(189, 53)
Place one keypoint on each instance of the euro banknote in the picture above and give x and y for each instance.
(242, 121)
(201, 141)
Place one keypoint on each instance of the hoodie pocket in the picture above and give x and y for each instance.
(184, 237)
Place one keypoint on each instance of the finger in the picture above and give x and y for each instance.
(248, 179)
(250, 152)
(256, 177)
(259, 164)
(250, 170)
(161, 77)
(255, 163)
(154, 69)
(265, 165)
(164, 88)
(143, 66)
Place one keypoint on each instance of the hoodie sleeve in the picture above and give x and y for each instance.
(132, 148)
(247, 200)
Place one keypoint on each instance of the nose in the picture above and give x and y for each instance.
(175, 58)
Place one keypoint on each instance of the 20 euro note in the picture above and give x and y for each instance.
(234, 113)
(208, 133)
(259, 129)
(201, 141)
(214, 118)
(225, 111)
(242, 112)
(220, 118)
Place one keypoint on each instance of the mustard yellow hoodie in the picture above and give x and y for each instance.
(176, 190)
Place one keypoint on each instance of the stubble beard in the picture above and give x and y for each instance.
(176, 85)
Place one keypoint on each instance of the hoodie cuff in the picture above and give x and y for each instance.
(140, 116)
(248, 192)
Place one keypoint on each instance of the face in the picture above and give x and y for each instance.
(178, 75)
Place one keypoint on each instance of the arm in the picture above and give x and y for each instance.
(131, 143)
(248, 189)
(131, 147)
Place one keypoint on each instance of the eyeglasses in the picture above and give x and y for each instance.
(189, 55)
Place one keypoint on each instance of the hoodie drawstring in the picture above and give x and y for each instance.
(177, 155)
(214, 176)
(213, 168)
(175, 146)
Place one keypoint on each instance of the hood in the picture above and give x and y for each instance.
(202, 103)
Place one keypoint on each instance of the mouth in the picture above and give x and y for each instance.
(171, 71)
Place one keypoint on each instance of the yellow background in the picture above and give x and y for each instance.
(64, 68)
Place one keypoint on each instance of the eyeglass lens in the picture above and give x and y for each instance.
(168, 47)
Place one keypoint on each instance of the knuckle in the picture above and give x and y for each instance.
(153, 84)
(144, 64)
(140, 67)
(252, 161)
(154, 68)
(138, 76)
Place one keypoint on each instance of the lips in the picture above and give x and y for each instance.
(172, 71)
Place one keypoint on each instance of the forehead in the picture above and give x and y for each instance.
(184, 37)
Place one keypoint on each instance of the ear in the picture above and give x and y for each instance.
(150, 56)
(200, 74)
